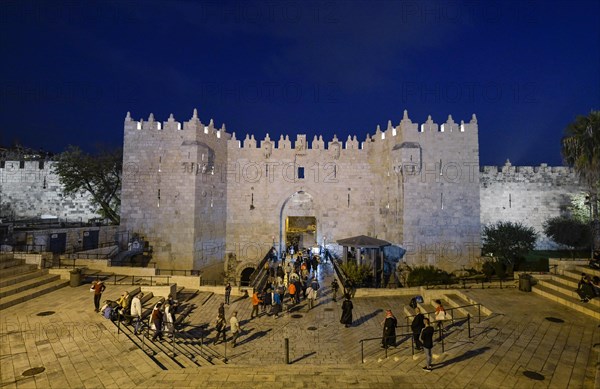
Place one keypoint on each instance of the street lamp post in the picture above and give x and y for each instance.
(589, 202)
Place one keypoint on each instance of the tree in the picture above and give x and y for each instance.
(568, 232)
(99, 175)
(581, 147)
(581, 150)
(508, 241)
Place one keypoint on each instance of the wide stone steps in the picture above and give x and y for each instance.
(568, 301)
(29, 294)
(7, 262)
(567, 291)
(162, 351)
(15, 279)
(18, 269)
(28, 284)
(187, 350)
(567, 281)
(587, 270)
(462, 307)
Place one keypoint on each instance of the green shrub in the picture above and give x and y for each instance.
(360, 275)
(422, 275)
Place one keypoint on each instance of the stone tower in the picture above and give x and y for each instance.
(171, 194)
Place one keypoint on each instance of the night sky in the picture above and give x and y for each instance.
(70, 71)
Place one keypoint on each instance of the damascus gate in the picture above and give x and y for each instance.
(202, 196)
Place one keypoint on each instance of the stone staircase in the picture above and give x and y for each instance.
(20, 282)
(187, 348)
(457, 305)
(562, 289)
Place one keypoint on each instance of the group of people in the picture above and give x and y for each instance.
(129, 310)
(588, 287)
(220, 326)
(421, 328)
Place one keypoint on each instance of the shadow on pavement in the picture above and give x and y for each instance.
(467, 355)
(366, 317)
(303, 357)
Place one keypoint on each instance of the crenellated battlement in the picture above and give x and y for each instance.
(172, 125)
(532, 174)
(405, 129)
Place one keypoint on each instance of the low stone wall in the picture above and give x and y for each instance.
(381, 292)
(102, 265)
(34, 259)
(559, 265)
(188, 282)
(63, 273)
(160, 291)
(220, 289)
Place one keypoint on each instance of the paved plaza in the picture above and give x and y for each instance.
(514, 347)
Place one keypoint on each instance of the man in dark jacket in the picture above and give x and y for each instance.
(417, 326)
(427, 339)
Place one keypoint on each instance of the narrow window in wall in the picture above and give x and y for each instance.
(442, 200)
(267, 170)
(348, 200)
(41, 165)
(335, 171)
(45, 185)
(300, 172)
(440, 166)
(509, 200)
(21, 164)
(158, 195)
(159, 162)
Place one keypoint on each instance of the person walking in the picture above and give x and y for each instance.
(221, 310)
(292, 292)
(389, 330)
(227, 293)
(427, 340)
(347, 311)
(234, 324)
(255, 303)
(334, 289)
(417, 326)
(157, 318)
(275, 304)
(98, 288)
(311, 294)
(221, 328)
(136, 312)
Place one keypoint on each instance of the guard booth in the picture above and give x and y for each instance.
(373, 253)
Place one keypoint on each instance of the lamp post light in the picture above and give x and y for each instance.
(589, 202)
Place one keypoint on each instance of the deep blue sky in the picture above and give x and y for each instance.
(71, 70)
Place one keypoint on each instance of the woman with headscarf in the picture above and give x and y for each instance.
(389, 330)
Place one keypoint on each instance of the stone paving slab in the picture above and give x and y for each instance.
(80, 349)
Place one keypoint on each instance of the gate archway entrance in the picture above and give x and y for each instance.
(245, 276)
(299, 214)
(301, 231)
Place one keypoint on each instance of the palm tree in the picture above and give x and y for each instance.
(581, 149)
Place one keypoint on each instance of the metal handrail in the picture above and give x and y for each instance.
(478, 305)
(440, 329)
(255, 277)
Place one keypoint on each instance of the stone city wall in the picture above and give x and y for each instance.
(31, 189)
(527, 194)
